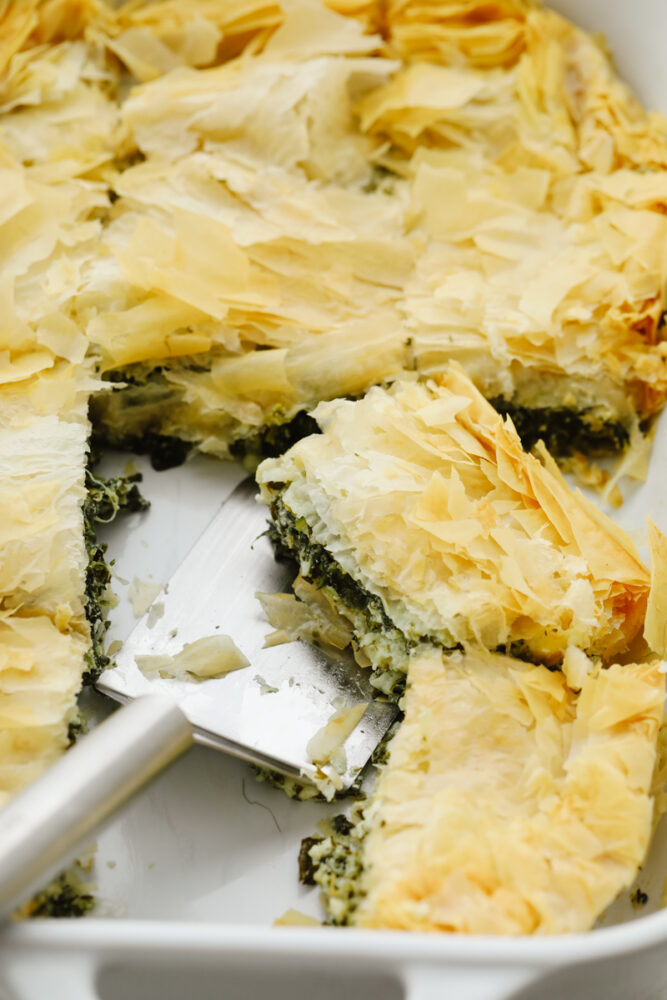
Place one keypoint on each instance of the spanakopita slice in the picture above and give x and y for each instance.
(421, 517)
(511, 802)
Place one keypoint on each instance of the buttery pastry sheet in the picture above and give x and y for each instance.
(237, 194)
(44, 635)
(511, 803)
(424, 496)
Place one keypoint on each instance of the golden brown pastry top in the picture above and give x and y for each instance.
(511, 803)
(426, 497)
(390, 185)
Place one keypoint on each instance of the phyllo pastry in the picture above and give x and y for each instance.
(44, 633)
(291, 201)
(421, 517)
(511, 802)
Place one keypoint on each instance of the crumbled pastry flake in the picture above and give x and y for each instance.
(155, 612)
(204, 659)
(264, 686)
(142, 594)
(576, 667)
(306, 615)
(327, 741)
(327, 751)
(294, 918)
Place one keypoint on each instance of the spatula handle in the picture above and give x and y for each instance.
(43, 827)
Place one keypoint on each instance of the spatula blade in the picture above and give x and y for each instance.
(268, 712)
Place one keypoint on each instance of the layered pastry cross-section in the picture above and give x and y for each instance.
(44, 632)
(421, 517)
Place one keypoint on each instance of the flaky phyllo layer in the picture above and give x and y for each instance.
(422, 498)
(44, 635)
(247, 207)
(517, 796)
(512, 803)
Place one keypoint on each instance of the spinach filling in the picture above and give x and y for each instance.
(273, 440)
(291, 539)
(105, 499)
(62, 898)
(163, 450)
(146, 394)
(565, 430)
(137, 422)
(333, 859)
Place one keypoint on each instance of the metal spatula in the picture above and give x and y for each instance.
(265, 713)
(268, 712)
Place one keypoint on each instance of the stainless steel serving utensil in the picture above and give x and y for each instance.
(265, 713)
(45, 825)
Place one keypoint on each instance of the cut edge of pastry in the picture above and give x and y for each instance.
(326, 515)
(510, 803)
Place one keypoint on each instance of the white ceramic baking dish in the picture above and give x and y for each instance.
(195, 871)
